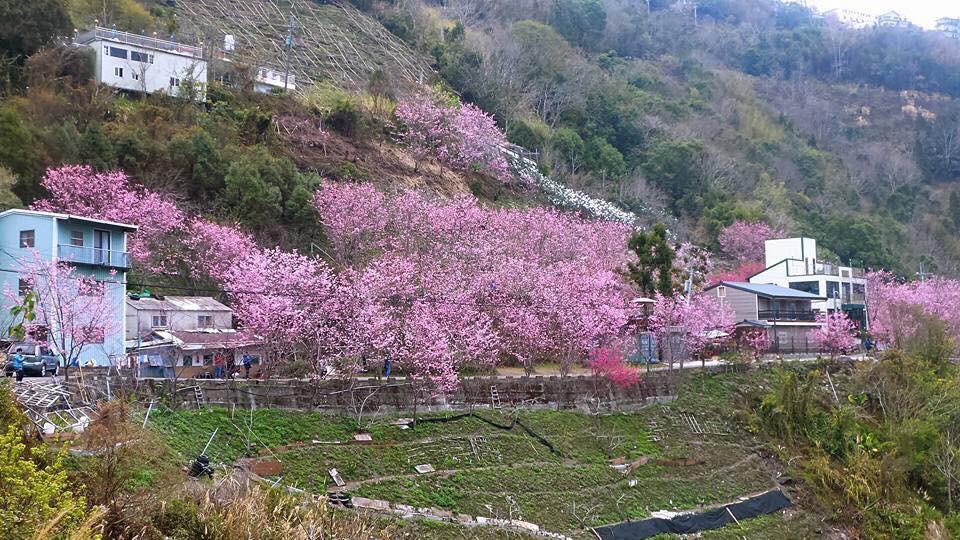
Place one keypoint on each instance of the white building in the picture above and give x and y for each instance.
(949, 26)
(176, 313)
(892, 19)
(144, 63)
(793, 263)
(850, 17)
(268, 80)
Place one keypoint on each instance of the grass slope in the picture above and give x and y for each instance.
(486, 471)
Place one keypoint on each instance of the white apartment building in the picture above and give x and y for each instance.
(949, 26)
(793, 263)
(850, 17)
(144, 63)
(892, 19)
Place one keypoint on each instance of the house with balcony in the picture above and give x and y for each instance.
(178, 336)
(793, 263)
(145, 64)
(787, 315)
(96, 248)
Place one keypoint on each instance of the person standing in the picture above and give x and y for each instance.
(218, 365)
(17, 364)
(247, 363)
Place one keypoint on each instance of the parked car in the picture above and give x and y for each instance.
(38, 360)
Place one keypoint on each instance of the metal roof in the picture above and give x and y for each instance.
(177, 303)
(767, 290)
(69, 217)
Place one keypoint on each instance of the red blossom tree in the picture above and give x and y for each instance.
(609, 363)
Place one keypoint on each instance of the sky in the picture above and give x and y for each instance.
(920, 12)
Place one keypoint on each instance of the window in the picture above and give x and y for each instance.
(174, 82)
(134, 75)
(118, 71)
(833, 289)
(141, 57)
(208, 359)
(721, 292)
(187, 361)
(76, 238)
(159, 321)
(23, 287)
(812, 287)
(118, 53)
(28, 239)
(205, 321)
(859, 288)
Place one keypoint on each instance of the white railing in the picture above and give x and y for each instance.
(276, 78)
(144, 41)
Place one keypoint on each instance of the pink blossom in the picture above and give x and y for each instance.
(743, 241)
(756, 342)
(693, 322)
(76, 311)
(836, 333)
(463, 137)
(110, 196)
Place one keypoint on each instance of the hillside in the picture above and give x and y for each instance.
(335, 42)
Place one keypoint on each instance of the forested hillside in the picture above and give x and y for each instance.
(753, 110)
(756, 110)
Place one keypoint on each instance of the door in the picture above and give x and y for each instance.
(101, 247)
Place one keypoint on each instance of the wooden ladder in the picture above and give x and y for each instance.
(198, 393)
(494, 397)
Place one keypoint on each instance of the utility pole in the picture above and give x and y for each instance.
(288, 44)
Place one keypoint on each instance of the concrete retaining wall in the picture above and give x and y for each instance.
(396, 394)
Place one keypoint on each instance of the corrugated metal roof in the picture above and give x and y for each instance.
(196, 303)
(177, 303)
(769, 291)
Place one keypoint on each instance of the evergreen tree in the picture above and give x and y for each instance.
(653, 271)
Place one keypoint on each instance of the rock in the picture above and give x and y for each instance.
(370, 504)
(465, 519)
(525, 525)
(424, 469)
(363, 437)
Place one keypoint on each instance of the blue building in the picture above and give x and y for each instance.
(96, 248)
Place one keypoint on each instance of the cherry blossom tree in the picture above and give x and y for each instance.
(743, 241)
(686, 328)
(459, 136)
(891, 303)
(836, 333)
(110, 196)
(609, 363)
(72, 312)
(540, 284)
(756, 342)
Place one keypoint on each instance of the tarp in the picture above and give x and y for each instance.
(765, 503)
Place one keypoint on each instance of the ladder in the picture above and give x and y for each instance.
(494, 397)
(198, 393)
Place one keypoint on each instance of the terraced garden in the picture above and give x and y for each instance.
(693, 452)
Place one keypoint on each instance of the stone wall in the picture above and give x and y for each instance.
(396, 394)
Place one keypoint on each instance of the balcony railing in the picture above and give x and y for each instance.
(94, 256)
(787, 315)
(140, 41)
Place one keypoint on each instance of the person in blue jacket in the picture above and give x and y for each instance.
(17, 363)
